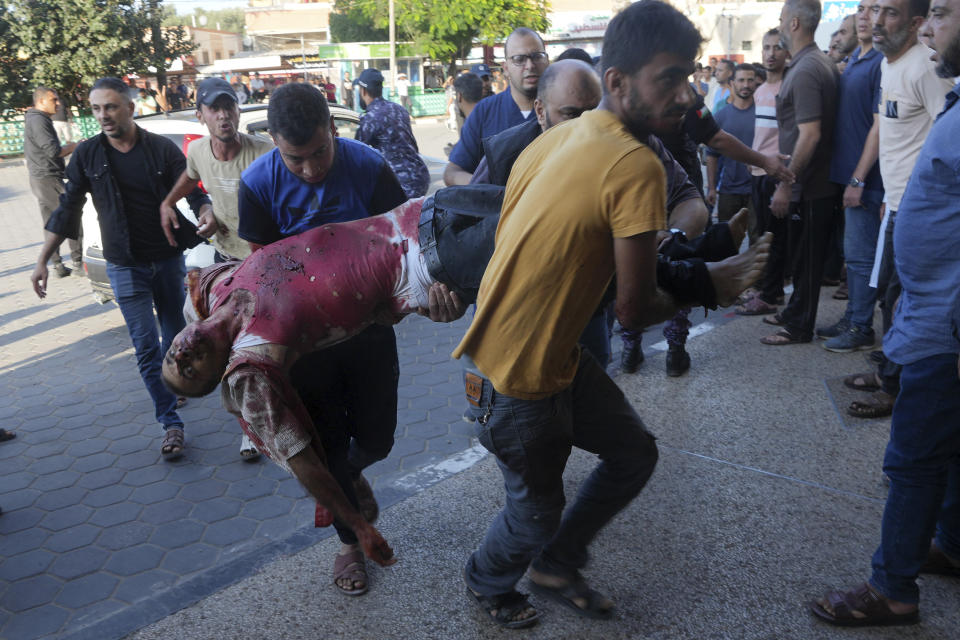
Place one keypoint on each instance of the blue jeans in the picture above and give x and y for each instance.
(532, 440)
(596, 338)
(923, 464)
(859, 245)
(138, 290)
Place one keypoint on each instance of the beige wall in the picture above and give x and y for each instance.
(214, 45)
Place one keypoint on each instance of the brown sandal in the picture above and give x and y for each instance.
(172, 446)
(351, 566)
(781, 338)
(878, 405)
(862, 381)
(860, 607)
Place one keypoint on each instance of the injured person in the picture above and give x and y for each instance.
(250, 321)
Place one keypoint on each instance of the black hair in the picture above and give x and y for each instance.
(745, 66)
(576, 53)
(729, 64)
(40, 93)
(111, 84)
(521, 31)
(773, 32)
(643, 30)
(296, 111)
(470, 86)
(760, 70)
(919, 8)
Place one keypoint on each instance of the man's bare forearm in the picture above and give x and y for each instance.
(323, 487)
(803, 152)
(871, 151)
(453, 174)
(51, 241)
(658, 307)
(183, 186)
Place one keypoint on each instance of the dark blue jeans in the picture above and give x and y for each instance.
(859, 246)
(532, 440)
(139, 291)
(923, 464)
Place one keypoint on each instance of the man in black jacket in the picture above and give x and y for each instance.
(128, 172)
(44, 155)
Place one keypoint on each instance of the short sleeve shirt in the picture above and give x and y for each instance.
(735, 176)
(275, 204)
(911, 96)
(926, 241)
(809, 94)
(766, 131)
(857, 104)
(491, 116)
(221, 179)
(553, 256)
(386, 127)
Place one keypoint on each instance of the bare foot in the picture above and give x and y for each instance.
(738, 227)
(731, 276)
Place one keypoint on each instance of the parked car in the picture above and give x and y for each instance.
(182, 127)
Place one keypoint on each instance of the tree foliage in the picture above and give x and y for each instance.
(14, 70)
(69, 44)
(444, 29)
(229, 19)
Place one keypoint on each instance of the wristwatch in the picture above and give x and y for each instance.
(857, 182)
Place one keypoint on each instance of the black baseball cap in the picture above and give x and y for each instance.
(369, 77)
(210, 89)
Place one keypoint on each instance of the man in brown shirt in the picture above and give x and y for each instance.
(806, 114)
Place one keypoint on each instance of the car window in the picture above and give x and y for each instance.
(346, 128)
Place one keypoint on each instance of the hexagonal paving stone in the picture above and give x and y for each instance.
(268, 507)
(145, 476)
(191, 558)
(25, 565)
(78, 563)
(82, 433)
(29, 593)
(167, 511)
(191, 472)
(281, 527)
(135, 560)
(116, 514)
(42, 622)
(125, 535)
(21, 541)
(20, 519)
(153, 493)
(238, 470)
(60, 498)
(107, 495)
(139, 459)
(17, 481)
(102, 478)
(95, 612)
(212, 441)
(41, 448)
(131, 444)
(216, 510)
(252, 488)
(177, 534)
(144, 585)
(203, 490)
(94, 462)
(291, 488)
(87, 447)
(57, 480)
(66, 517)
(228, 532)
(87, 590)
(72, 538)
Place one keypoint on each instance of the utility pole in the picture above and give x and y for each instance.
(393, 50)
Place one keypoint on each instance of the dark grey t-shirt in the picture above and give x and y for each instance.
(808, 94)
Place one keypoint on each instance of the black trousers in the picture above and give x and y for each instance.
(817, 222)
(888, 291)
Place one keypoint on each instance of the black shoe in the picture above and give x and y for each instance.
(61, 270)
(678, 361)
(631, 358)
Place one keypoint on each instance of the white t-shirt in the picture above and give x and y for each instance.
(911, 96)
(222, 181)
(403, 87)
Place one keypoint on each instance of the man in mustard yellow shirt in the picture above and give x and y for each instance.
(584, 201)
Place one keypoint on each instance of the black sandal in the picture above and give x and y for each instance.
(506, 606)
(576, 588)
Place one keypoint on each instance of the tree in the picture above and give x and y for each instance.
(444, 29)
(15, 70)
(71, 44)
(228, 19)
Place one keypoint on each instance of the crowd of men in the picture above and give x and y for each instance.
(308, 361)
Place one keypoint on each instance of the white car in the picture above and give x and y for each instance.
(182, 127)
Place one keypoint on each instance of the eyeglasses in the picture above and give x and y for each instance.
(537, 57)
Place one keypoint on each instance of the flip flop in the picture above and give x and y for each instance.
(878, 405)
(872, 608)
(776, 320)
(352, 566)
(505, 605)
(862, 381)
(6, 435)
(575, 588)
(781, 338)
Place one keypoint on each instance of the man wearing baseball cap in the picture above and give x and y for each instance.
(386, 127)
(482, 71)
(218, 160)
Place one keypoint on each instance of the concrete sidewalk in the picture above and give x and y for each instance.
(763, 498)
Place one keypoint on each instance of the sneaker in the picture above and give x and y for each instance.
(678, 361)
(61, 270)
(834, 330)
(854, 339)
(631, 358)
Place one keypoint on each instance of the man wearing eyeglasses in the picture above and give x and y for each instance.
(525, 60)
